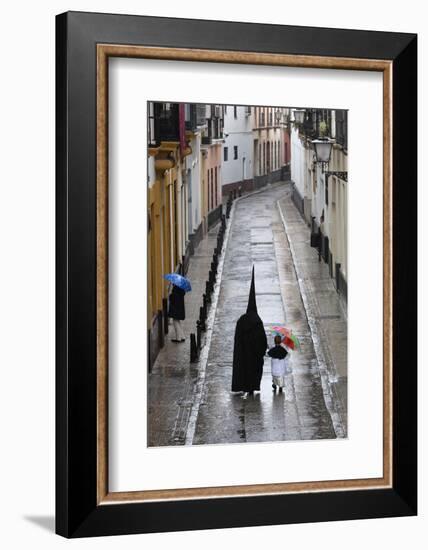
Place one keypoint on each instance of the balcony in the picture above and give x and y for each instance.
(206, 140)
(213, 132)
(316, 124)
(195, 116)
(164, 123)
(342, 128)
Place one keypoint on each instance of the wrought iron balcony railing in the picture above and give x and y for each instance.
(163, 123)
(195, 116)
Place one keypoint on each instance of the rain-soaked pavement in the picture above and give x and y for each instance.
(192, 403)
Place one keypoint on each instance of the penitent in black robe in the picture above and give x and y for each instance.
(249, 349)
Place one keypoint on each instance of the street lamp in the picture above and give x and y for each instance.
(299, 116)
(323, 148)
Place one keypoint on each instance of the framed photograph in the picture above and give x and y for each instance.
(236, 274)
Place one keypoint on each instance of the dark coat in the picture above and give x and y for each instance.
(176, 304)
(248, 353)
(278, 352)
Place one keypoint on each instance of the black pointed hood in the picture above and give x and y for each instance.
(252, 306)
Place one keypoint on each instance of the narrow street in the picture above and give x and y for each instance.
(192, 403)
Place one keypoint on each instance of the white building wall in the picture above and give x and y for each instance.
(318, 198)
(193, 166)
(298, 164)
(181, 215)
(239, 133)
(151, 171)
(337, 229)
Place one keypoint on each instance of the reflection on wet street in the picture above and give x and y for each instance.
(193, 403)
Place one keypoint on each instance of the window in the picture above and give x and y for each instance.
(235, 152)
(151, 125)
(212, 189)
(235, 111)
(208, 190)
(342, 128)
(216, 188)
(264, 157)
(225, 154)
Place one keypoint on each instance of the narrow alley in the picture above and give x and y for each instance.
(192, 403)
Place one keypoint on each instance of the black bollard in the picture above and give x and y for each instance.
(205, 306)
(198, 335)
(165, 315)
(202, 320)
(210, 289)
(207, 292)
(193, 348)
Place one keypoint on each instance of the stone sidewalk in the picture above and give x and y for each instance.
(324, 311)
(173, 377)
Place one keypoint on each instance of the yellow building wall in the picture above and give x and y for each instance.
(167, 205)
(163, 238)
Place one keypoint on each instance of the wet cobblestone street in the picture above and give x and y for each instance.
(192, 403)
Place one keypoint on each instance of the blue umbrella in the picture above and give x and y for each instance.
(178, 280)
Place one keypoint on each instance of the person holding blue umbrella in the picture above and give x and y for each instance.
(176, 309)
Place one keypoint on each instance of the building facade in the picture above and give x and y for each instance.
(184, 196)
(320, 191)
(195, 123)
(238, 148)
(212, 176)
(270, 144)
(167, 211)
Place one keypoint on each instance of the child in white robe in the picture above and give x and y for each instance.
(279, 364)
